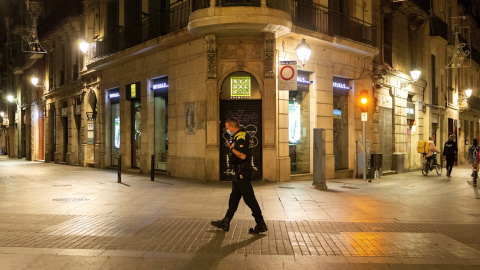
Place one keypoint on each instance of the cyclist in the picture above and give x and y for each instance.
(473, 157)
(432, 153)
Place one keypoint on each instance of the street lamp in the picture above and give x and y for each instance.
(10, 98)
(2, 114)
(415, 74)
(468, 92)
(84, 47)
(34, 80)
(303, 51)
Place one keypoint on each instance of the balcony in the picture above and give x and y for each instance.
(439, 28)
(245, 17)
(241, 16)
(153, 26)
(320, 19)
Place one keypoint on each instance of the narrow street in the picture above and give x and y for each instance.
(64, 217)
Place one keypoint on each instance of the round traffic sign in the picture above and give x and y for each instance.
(287, 73)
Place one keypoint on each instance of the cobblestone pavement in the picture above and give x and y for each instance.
(65, 217)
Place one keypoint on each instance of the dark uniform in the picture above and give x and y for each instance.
(449, 152)
(242, 185)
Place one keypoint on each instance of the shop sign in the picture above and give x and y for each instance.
(240, 87)
(303, 80)
(63, 112)
(5, 121)
(114, 94)
(133, 91)
(287, 77)
(160, 83)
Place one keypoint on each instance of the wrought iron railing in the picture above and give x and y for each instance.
(304, 13)
(153, 26)
(233, 3)
(319, 18)
(438, 27)
(423, 4)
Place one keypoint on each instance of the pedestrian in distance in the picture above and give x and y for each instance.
(449, 151)
(240, 159)
(473, 152)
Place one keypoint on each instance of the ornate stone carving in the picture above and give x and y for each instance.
(211, 46)
(239, 49)
(269, 54)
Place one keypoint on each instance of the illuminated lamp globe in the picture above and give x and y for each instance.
(364, 100)
(2, 114)
(34, 80)
(84, 47)
(468, 92)
(303, 51)
(10, 98)
(415, 74)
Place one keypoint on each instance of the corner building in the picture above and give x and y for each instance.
(166, 75)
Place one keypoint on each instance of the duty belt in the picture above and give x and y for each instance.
(240, 166)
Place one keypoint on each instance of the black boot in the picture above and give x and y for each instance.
(259, 228)
(223, 224)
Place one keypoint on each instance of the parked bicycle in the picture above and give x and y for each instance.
(426, 167)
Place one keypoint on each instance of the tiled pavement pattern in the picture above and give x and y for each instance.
(284, 237)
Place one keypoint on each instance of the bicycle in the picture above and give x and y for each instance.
(426, 168)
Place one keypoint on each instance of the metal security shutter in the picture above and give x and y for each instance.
(385, 137)
(249, 114)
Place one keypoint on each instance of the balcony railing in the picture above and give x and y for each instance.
(153, 26)
(438, 27)
(233, 3)
(319, 18)
(304, 14)
(423, 4)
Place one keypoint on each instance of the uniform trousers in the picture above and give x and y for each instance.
(242, 187)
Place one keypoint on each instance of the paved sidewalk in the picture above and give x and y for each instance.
(64, 217)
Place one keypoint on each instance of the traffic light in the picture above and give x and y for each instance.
(364, 100)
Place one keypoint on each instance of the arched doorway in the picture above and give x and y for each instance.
(241, 98)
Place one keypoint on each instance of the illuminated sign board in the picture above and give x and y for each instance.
(133, 91)
(114, 95)
(240, 87)
(160, 86)
(160, 83)
(340, 85)
(294, 121)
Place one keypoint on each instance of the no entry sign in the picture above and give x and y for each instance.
(287, 75)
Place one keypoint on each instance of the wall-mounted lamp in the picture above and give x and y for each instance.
(468, 92)
(415, 74)
(2, 114)
(34, 80)
(10, 98)
(84, 46)
(303, 51)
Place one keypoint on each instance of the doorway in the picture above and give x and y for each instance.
(249, 114)
(385, 137)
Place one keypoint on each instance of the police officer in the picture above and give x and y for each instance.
(241, 185)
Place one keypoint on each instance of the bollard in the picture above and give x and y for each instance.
(152, 168)
(119, 169)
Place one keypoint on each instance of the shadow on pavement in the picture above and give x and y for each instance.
(213, 252)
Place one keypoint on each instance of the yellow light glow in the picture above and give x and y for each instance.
(364, 100)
